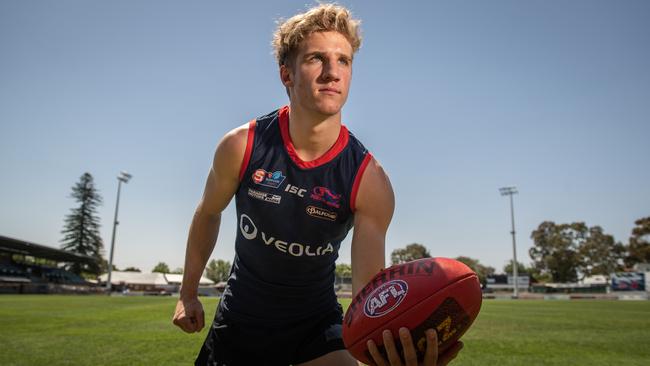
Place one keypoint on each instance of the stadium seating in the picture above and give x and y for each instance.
(10, 270)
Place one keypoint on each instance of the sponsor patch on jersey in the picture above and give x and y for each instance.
(325, 195)
(250, 231)
(320, 213)
(263, 196)
(300, 192)
(385, 298)
(268, 179)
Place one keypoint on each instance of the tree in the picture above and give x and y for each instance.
(161, 267)
(476, 266)
(521, 268)
(638, 250)
(81, 227)
(132, 269)
(555, 249)
(103, 267)
(178, 270)
(411, 252)
(599, 254)
(343, 270)
(570, 251)
(218, 270)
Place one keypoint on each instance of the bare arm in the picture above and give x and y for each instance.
(374, 209)
(375, 205)
(221, 185)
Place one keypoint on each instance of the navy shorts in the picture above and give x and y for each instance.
(232, 343)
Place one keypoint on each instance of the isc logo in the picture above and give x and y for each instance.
(385, 298)
(295, 190)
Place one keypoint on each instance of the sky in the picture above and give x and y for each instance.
(455, 99)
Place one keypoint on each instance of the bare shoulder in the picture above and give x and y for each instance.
(375, 190)
(223, 178)
(234, 142)
(231, 149)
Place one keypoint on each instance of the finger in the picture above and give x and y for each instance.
(194, 314)
(193, 323)
(179, 319)
(181, 323)
(450, 354)
(176, 317)
(201, 321)
(189, 325)
(431, 354)
(374, 352)
(391, 350)
(410, 356)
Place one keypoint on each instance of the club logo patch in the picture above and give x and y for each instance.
(385, 298)
(268, 179)
(325, 195)
(321, 213)
(263, 196)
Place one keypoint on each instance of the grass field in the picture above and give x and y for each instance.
(97, 330)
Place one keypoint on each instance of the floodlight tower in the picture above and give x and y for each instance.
(510, 191)
(122, 177)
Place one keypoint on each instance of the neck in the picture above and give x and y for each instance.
(312, 134)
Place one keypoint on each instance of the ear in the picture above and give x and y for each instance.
(285, 76)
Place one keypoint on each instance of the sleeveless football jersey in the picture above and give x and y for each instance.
(291, 218)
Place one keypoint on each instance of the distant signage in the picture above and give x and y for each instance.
(521, 281)
(628, 281)
(497, 279)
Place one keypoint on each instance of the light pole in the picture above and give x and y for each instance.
(122, 177)
(510, 191)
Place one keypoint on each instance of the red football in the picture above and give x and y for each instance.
(438, 293)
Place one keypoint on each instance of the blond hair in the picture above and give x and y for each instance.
(321, 18)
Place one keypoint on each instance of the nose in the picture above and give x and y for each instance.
(331, 71)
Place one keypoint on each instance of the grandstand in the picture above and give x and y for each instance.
(27, 267)
(137, 283)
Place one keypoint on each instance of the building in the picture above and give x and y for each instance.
(504, 282)
(29, 268)
(207, 287)
(153, 283)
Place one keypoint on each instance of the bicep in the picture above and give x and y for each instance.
(375, 205)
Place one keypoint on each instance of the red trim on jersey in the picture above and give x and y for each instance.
(339, 145)
(249, 149)
(357, 181)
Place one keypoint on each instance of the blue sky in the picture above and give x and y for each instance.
(455, 98)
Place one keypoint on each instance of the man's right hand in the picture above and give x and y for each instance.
(189, 315)
(410, 356)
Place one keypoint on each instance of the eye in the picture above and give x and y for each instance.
(316, 58)
(344, 61)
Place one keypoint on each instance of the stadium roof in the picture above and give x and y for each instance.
(178, 279)
(134, 278)
(16, 246)
(138, 278)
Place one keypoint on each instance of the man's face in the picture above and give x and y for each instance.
(319, 77)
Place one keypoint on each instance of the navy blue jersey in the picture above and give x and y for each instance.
(292, 216)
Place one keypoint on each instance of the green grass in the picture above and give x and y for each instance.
(82, 330)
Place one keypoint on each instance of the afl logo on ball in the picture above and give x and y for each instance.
(385, 298)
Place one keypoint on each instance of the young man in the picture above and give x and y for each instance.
(300, 181)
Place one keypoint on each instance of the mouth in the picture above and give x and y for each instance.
(331, 91)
